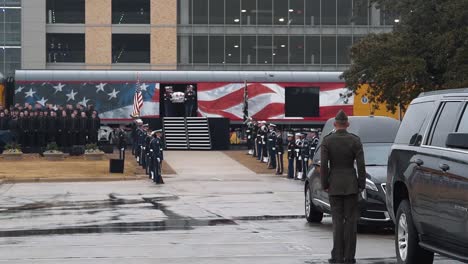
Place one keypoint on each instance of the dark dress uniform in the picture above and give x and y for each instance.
(51, 129)
(291, 156)
(23, 131)
(190, 99)
(339, 151)
(279, 150)
(263, 141)
(72, 131)
(156, 149)
(146, 155)
(62, 132)
(248, 133)
(82, 130)
(305, 158)
(168, 105)
(298, 157)
(41, 126)
(94, 124)
(4, 123)
(258, 143)
(272, 149)
(13, 126)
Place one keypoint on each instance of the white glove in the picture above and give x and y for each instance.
(158, 159)
(273, 148)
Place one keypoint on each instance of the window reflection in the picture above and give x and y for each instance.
(344, 45)
(233, 12)
(329, 50)
(65, 11)
(361, 13)
(131, 12)
(130, 48)
(313, 12)
(249, 49)
(281, 12)
(329, 12)
(216, 12)
(265, 50)
(199, 11)
(280, 50)
(296, 12)
(248, 12)
(313, 50)
(233, 47)
(296, 50)
(200, 49)
(265, 12)
(65, 48)
(216, 49)
(345, 12)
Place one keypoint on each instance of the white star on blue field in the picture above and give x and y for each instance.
(104, 96)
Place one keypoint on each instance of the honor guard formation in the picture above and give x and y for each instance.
(265, 142)
(148, 149)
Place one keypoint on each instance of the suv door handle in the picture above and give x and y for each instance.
(444, 167)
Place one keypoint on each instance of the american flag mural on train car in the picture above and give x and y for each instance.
(267, 100)
(114, 100)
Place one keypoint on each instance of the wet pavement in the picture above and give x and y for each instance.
(214, 211)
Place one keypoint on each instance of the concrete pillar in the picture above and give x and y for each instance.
(375, 15)
(33, 34)
(164, 34)
(184, 12)
(98, 34)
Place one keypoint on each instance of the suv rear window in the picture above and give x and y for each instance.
(445, 124)
(410, 130)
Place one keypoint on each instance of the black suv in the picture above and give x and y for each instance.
(427, 178)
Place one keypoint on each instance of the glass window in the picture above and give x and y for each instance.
(345, 12)
(216, 12)
(11, 3)
(361, 12)
(265, 50)
(296, 12)
(65, 11)
(249, 50)
(65, 47)
(412, 129)
(184, 50)
(199, 12)
(265, 12)
(344, 46)
(130, 48)
(233, 12)
(463, 126)
(131, 12)
(280, 12)
(249, 12)
(280, 50)
(233, 47)
(313, 50)
(376, 154)
(312, 12)
(329, 12)
(200, 49)
(296, 50)
(216, 49)
(12, 55)
(328, 50)
(445, 124)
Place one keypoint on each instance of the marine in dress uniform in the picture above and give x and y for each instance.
(291, 155)
(156, 149)
(271, 147)
(190, 100)
(94, 124)
(339, 152)
(259, 140)
(279, 153)
(298, 157)
(263, 136)
(248, 133)
(305, 156)
(82, 128)
(73, 125)
(313, 143)
(168, 105)
(254, 138)
(52, 127)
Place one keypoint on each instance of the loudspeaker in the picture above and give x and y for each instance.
(109, 149)
(77, 150)
(116, 166)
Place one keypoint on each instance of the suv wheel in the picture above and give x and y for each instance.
(311, 213)
(406, 240)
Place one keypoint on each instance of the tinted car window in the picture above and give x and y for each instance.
(410, 129)
(376, 154)
(445, 123)
(463, 126)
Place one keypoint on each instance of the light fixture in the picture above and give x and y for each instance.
(291, 10)
(229, 55)
(236, 46)
(243, 11)
(236, 20)
(281, 20)
(283, 46)
(397, 20)
(266, 62)
(274, 54)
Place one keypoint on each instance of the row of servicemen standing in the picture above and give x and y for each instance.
(265, 142)
(148, 149)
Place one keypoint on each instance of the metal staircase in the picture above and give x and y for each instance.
(192, 133)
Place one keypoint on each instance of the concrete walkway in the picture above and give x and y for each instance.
(208, 163)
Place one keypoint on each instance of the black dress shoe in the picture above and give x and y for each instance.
(350, 261)
(335, 261)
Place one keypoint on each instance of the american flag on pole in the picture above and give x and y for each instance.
(137, 99)
(245, 109)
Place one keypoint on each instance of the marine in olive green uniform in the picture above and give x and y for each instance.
(339, 151)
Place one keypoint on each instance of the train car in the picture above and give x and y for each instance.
(281, 97)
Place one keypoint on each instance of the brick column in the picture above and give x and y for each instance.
(164, 34)
(98, 34)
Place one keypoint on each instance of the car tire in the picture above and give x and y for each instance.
(406, 238)
(312, 214)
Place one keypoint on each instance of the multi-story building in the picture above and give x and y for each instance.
(10, 37)
(195, 34)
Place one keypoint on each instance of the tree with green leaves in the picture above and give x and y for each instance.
(426, 51)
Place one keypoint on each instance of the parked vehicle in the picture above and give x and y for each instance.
(427, 184)
(377, 135)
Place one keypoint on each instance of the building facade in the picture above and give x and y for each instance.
(311, 35)
(10, 37)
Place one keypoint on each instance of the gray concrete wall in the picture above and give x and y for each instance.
(33, 34)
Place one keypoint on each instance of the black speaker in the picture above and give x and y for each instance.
(116, 166)
(109, 149)
(77, 150)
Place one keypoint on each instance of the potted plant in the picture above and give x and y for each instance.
(92, 152)
(12, 151)
(53, 152)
